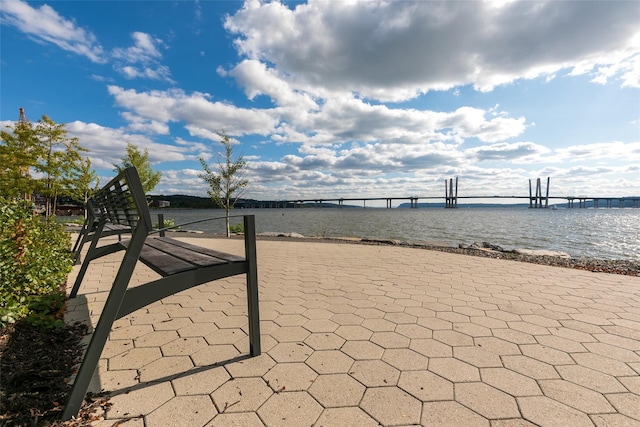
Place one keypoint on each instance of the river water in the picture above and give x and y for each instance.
(582, 233)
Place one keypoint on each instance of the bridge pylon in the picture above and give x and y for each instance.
(451, 196)
(537, 200)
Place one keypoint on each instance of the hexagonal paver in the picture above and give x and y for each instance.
(631, 383)
(431, 348)
(400, 318)
(214, 354)
(405, 359)
(477, 357)
(390, 340)
(614, 420)
(486, 400)
(510, 382)
(321, 325)
(154, 339)
(202, 382)
(339, 417)
(544, 411)
(391, 406)
(241, 395)
(336, 390)
(581, 398)
(242, 419)
(426, 386)
(330, 362)
(324, 341)
(296, 408)
(378, 325)
(497, 346)
(140, 401)
(353, 332)
(454, 370)
(453, 338)
(290, 334)
(529, 367)
(374, 373)
(183, 410)
(183, 346)
(317, 313)
(290, 352)
(290, 320)
(165, 367)
(450, 414)
(361, 350)
(347, 319)
(603, 364)
(290, 377)
(135, 358)
(414, 331)
(226, 336)
(595, 380)
(251, 367)
(626, 403)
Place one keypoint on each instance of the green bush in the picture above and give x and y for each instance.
(168, 222)
(236, 228)
(34, 263)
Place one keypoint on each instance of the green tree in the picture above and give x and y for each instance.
(44, 150)
(83, 183)
(227, 182)
(19, 153)
(140, 161)
(59, 160)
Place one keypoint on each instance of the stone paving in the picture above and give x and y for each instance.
(357, 335)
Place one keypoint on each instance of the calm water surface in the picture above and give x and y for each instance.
(582, 233)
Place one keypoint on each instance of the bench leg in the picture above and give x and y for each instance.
(252, 285)
(80, 242)
(100, 334)
(87, 259)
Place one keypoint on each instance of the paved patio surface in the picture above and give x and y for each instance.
(357, 335)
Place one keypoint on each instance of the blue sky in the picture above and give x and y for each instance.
(340, 99)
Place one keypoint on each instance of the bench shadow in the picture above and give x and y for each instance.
(194, 371)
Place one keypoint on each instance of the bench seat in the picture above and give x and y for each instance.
(167, 256)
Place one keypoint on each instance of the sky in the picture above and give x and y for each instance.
(330, 99)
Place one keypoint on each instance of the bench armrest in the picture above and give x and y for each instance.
(159, 230)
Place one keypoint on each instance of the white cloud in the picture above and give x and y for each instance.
(394, 51)
(615, 150)
(108, 146)
(44, 25)
(519, 152)
(201, 116)
(142, 60)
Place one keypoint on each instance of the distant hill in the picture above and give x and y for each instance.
(195, 202)
(181, 201)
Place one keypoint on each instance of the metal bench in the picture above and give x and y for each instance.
(181, 266)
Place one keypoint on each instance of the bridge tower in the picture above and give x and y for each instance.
(451, 196)
(536, 201)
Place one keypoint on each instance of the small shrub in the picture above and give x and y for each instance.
(169, 222)
(236, 228)
(34, 263)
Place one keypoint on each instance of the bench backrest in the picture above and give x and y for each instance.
(122, 201)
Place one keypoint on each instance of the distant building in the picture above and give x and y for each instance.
(162, 203)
